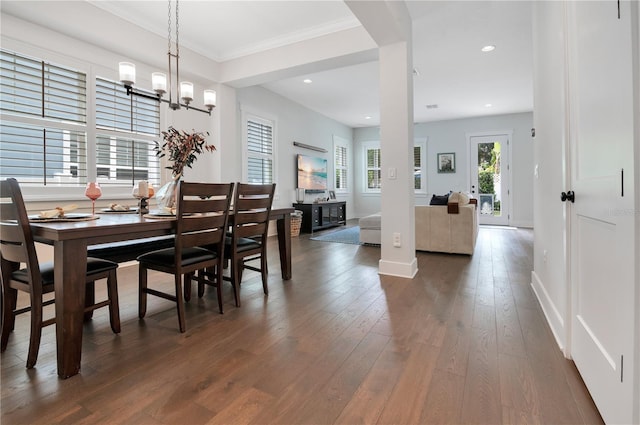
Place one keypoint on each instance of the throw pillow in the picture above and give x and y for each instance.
(439, 200)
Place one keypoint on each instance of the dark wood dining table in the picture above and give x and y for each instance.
(70, 241)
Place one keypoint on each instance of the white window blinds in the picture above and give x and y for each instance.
(32, 87)
(44, 115)
(43, 155)
(259, 151)
(374, 172)
(417, 167)
(117, 111)
(341, 167)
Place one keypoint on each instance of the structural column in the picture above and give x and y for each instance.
(396, 133)
(389, 24)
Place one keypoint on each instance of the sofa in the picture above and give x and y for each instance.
(439, 230)
(451, 228)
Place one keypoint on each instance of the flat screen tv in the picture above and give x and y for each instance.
(312, 173)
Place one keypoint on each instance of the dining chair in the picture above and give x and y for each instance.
(201, 220)
(37, 279)
(247, 240)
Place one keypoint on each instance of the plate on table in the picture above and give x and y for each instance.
(162, 214)
(66, 217)
(127, 211)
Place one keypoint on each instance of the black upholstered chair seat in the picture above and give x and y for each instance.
(94, 265)
(166, 257)
(243, 244)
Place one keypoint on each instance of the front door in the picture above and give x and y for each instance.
(601, 219)
(489, 177)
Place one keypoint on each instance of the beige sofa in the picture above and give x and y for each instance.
(438, 228)
(440, 231)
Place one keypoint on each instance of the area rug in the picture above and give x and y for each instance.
(350, 235)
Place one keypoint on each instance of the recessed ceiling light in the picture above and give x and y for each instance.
(432, 106)
(488, 105)
(307, 81)
(488, 48)
(367, 117)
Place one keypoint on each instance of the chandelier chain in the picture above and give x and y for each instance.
(177, 34)
(169, 26)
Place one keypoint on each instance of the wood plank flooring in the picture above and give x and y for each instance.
(463, 342)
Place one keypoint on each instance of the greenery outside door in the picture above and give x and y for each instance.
(489, 177)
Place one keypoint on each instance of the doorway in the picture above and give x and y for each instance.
(489, 172)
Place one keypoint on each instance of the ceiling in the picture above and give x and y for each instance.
(452, 72)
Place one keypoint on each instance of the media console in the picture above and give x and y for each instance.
(322, 215)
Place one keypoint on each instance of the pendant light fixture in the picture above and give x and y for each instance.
(183, 89)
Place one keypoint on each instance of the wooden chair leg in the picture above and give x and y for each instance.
(89, 299)
(187, 286)
(142, 291)
(36, 330)
(264, 273)
(218, 275)
(9, 299)
(235, 281)
(114, 305)
(180, 303)
(201, 276)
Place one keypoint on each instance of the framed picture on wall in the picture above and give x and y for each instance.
(332, 194)
(447, 162)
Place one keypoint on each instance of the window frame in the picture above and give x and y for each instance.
(263, 118)
(422, 144)
(369, 145)
(366, 147)
(340, 142)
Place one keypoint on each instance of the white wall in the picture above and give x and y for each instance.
(549, 278)
(450, 136)
(293, 123)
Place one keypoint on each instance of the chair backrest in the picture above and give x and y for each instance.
(251, 209)
(202, 214)
(16, 239)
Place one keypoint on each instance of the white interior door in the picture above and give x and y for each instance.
(490, 177)
(601, 242)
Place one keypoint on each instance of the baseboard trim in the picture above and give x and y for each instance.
(392, 268)
(523, 224)
(551, 313)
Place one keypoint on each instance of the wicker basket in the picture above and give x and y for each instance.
(296, 222)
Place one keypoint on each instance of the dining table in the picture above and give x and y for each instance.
(70, 240)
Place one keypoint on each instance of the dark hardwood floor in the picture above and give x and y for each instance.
(463, 342)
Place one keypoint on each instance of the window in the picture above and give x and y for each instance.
(373, 170)
(419, 166)
(127, 127)
(35, 88)
(44, 138)
(340, 155)
(43, 127)
(259, 133)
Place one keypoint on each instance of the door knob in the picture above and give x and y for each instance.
(568, 196)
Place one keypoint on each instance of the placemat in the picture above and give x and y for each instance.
(66, 218)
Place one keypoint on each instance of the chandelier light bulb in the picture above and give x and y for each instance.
(186, 91)
(210, 98)
(127, 73)
(159, 82)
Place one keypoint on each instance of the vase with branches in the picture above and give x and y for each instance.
(181, 150)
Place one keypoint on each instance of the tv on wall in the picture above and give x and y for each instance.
(312, 173)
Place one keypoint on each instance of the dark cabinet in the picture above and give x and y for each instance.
(322, 215)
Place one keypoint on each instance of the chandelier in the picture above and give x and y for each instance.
(183, 89)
